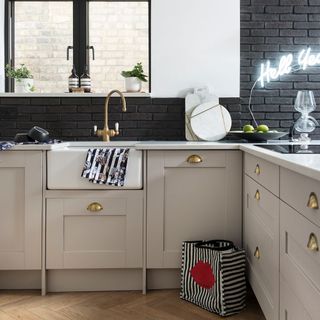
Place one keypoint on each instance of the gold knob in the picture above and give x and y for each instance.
(94, 207)
(257, 170)
(313, 201)
(257, 253)
(194, 159)
(313, 243)
(257, 195)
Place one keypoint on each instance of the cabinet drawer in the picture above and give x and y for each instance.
(297, 235)
(291, 307)
(263, 264)
(195, 158)
(264, 172)
(90, 206)
(107, 236)
(262, 204)
(301, 193)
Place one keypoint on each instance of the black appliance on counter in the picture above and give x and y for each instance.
(293, 148)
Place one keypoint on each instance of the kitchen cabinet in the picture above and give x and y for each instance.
(281, 237)
(261, 242)
(263, 172)
(299, 266)
(191, 195)
(88, 230)
(301, 193)
(21, 210)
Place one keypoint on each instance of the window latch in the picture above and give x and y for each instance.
(68, 51)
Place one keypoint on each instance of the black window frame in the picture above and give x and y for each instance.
(81, 49)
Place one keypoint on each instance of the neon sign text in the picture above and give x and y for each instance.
(305, 59)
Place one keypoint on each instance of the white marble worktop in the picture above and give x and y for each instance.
(186, 145)
(306, 164)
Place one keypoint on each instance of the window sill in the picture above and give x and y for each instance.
(72, 95)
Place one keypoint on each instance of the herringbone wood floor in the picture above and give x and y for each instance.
(157, 305)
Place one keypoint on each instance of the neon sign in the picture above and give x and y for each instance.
(305, 59)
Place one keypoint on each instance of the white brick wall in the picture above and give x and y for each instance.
(118, 31)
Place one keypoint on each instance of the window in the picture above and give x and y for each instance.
(107, 36)
(43, 30)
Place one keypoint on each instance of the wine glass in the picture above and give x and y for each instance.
(305, 102)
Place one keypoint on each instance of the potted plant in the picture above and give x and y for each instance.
(134, 78)
(23, 78)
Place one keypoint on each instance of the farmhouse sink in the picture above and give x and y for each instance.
(64, 166)
(100, 144)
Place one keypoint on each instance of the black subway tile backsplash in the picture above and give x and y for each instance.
(74, 118)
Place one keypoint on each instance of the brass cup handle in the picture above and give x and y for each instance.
(257, 170)
(193, 159)
(95, 207)
(257, 195)
(257, 253)
(313, 243)
(313, 201)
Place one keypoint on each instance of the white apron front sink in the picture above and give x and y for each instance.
(65, 166)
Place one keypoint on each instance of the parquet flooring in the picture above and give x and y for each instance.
(156, 305)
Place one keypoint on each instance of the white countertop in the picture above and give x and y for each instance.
(186, 145)
(306, 164)
(39, 147)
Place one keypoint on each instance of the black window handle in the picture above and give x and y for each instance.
(91, 48)
(68, 51)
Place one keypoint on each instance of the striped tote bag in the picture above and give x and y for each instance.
(213, 276)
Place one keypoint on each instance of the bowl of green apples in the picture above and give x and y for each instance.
(258, 134)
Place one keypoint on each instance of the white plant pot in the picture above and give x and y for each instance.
(133, 84)
(23, 86)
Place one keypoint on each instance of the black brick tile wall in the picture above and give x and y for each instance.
(270, 29)
(74, 118)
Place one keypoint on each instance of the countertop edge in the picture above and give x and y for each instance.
(305, 164)
(294, 164)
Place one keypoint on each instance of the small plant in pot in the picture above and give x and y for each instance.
(23, 78)
(134, 78)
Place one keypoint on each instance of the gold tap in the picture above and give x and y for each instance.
(106, 133)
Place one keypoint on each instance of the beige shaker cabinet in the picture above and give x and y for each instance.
(88, 230)
(21, 210)
(261, 242)
(300, 263)
(191, 195)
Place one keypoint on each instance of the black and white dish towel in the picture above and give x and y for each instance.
(5, 145)
(106, 166)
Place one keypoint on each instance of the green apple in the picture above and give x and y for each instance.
(263, 128)
(248, 128)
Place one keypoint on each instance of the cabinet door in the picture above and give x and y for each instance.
(291, 307)
(21, 209)
(111, 237)
(300, 263)
(191, 201)
(261, 242)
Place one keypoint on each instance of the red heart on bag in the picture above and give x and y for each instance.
(203, 275)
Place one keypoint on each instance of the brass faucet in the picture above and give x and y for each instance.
(106, 133)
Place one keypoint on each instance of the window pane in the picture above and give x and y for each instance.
(43, 30)
(119, 33)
